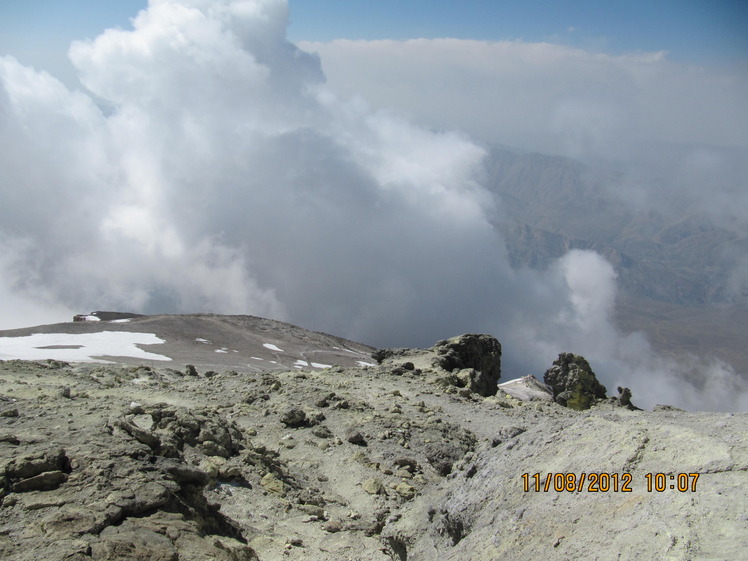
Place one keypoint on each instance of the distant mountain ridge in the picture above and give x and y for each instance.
(678, 262)
(550, 204)
(208, 341)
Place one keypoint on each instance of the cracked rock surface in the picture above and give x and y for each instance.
(419, 457)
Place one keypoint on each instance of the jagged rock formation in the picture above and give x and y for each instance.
(420, 457)
(573, 382)
(480, 355)
(472, 361)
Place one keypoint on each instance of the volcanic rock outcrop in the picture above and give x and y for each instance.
(573, 382)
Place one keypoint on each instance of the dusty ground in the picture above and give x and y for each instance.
(400, 461)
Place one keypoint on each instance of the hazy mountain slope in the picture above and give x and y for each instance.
(679, 259)
(244, 343)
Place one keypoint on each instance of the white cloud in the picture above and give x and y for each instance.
(542, 96)
(571, 307)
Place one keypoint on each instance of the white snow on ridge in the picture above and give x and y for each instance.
(272, 347)
(301, 363)
(79, 347)
(527, 388)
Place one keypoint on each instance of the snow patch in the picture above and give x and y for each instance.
(203, 341)
(272, 347)
(363, 363)
(318, 365)
(300, 363)
(79, 347)
(527, 388)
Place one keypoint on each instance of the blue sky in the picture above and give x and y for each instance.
(700, 31)
(694, 30)
(700, 44)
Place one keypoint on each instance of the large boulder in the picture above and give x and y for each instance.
(479, 353)
(573, 382)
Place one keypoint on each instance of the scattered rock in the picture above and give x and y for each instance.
(380, 355)
(333, 527)
(373, 486)
(408, 464)
(443, 457)
(321, 431)
(43, 482)
(294, 417)
(355, 437)
(624, 399)
(507, 433)
(32, 465)
(8, 411)
(10, 438)
(272, 484)
(660, 407)
(405, 491)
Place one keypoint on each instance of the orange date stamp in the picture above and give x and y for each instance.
(603, 482)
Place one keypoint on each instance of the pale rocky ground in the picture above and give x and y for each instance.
(393, 461)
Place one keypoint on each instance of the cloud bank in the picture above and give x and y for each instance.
(225, 176)
(545, 97)
(677, 132)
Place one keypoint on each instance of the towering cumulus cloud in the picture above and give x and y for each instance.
(208, 168)
(226, 178)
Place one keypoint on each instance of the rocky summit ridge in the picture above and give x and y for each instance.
(291, 444)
